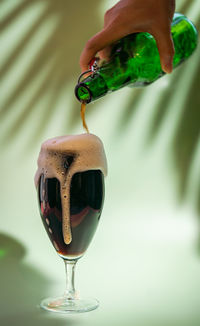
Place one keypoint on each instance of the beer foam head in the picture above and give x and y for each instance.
(86, 149)
(86, 152)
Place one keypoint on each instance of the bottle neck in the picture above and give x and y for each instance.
(91, 88)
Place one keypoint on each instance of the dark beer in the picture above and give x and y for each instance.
(86, 203)
(83, 108)
(70, 186)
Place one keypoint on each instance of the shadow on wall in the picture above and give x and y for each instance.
(76, 22)
(22, 288)
(58, 55)
(187, 131)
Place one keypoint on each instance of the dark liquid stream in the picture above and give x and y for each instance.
(86, 203)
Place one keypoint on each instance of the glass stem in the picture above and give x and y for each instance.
(70, 293)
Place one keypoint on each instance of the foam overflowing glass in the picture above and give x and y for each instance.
(70, 187)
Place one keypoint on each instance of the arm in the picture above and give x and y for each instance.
(132, 16)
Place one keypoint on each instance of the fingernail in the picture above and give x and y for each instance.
(167, 66)
(167, 69)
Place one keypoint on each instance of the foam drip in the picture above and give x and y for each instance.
(86, 152)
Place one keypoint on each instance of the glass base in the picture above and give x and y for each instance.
(69, 306)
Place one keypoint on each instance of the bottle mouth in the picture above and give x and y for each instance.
(83, 93)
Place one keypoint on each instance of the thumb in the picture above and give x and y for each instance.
(165, 47)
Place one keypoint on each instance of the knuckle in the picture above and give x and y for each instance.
(108, 13)
(89, 45)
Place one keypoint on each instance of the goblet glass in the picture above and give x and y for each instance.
(86, 202)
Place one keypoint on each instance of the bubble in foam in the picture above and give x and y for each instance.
(76, 153)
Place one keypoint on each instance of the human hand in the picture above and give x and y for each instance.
(133, 16)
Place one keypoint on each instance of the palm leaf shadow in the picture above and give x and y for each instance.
(187, 130)
(21, 7)
(22, 44)
(162, 106)
(131, 107)
(56, 51)
(25, 112)
(48, 112)
(187, 133)
(128, 111)
(184, 7)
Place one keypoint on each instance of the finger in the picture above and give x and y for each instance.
(98, 42)
(165, 47)
(105, 53)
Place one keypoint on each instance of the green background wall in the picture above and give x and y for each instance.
(144, 262)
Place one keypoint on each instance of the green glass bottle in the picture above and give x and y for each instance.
(135, 61)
